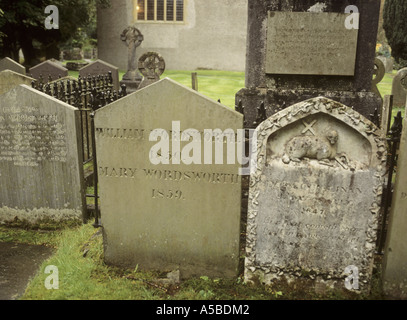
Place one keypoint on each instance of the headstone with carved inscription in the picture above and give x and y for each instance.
(169, 199)
(315, 195)
(9, 64)
(399, 88)
(48, 70)
(41, 172)
(100, 67)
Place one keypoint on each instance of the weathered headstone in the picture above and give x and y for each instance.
(41, 172)
(168, 216)
(388, 63)
(9, 64)
(399, 88)
(100, 67)
(378, 75)
(395, 258)
(297, 50)
(48, 69)
(315, 195)
(10, 79)
(133, 38)
(151, 65)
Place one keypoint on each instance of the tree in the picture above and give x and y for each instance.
(24, 28)
(395, 27)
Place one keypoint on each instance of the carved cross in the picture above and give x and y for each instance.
(308, 127)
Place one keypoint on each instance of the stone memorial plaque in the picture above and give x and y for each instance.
(9, 64)
(100, 67)
(171, 214)
(41, 172)
(48, 69)
(315, 196)
(10, 79)
(310, 44)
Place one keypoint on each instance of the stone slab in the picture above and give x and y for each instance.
(48, 69)
(315, 195)
(10, 79)
(395, 258)
(101, 67)
(167, 216)
(9, 64)
(41, 171)
(310, 44)
(399, 88)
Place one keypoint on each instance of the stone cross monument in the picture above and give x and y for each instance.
(132, 38)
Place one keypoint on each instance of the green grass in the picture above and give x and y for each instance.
(83, 275)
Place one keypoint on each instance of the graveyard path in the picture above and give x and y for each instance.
(18, 264)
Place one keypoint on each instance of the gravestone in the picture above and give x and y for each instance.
(48, 69)
(297, 50)
(315, 195)
(164, 215)
(388, 63)
(151, 65)
(100, 67)
(10, 79)
(133, 38)
(378, 75)
(40, 158)
(395, 258)
(399, 88)
(10, 64)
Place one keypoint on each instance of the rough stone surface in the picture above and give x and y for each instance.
(48, 69)
(10, 79)
(41, 171)
(315, 195)
(399, 88)
(279, 91)
(167, 216)
(9, 64)
(101, 67)
(310, 44)
(395, 262)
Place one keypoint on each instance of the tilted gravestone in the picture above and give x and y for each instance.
(9, 64)
(395, 259)
(48, 69)
(174, 213)
(297, 50)
(10, 79)
(100, 67)
(41, 172)
(399, 88)
(315, 195)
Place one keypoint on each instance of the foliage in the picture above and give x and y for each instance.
(24, 28)
(395, 26)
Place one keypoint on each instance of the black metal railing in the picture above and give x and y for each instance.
(87, 94)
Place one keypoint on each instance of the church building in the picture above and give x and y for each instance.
(188, 34)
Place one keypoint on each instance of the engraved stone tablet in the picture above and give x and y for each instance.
(315, 196)
(310, 44)
(100, 67)
(172, 213)
(41, 173)
(48, 69)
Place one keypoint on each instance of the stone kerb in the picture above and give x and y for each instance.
(264, 254)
